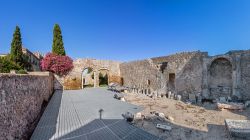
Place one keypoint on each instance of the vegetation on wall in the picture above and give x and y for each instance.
(22, 72)
(61, 65)
(6, 65)
(58, 46)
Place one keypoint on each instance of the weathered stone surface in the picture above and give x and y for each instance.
(238, 128)
(176, 73)
(196, 73)
(247, 104)
(164, 127)
(170, 118)
(231, 106)
(178, 97)
(21, 100)
(192, 98)
(138, 115)
(160, 114)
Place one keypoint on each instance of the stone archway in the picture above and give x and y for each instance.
(87, 77)
(103, 76)
(220, 78)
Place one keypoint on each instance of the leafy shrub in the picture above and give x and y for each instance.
(58, 64)
(6, 65)
(25, 63)
(22, 72)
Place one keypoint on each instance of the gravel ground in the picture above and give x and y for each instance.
(191, 122)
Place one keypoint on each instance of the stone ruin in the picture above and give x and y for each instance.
(191, 75)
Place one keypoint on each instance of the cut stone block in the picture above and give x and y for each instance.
(231, 106)
(164, 127)
(192, 98)
(238, 128)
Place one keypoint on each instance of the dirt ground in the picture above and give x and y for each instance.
(191, 122)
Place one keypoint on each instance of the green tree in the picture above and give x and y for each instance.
(58, 47)
(16, 53)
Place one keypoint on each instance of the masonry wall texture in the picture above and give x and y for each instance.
(21, 100)
(184, 67)
(210, 77)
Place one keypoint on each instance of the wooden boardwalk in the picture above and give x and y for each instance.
(75, 115)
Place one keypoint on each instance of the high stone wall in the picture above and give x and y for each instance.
(21, 100)
(245, 75)
(154, 73)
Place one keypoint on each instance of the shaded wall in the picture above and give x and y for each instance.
(21, 100)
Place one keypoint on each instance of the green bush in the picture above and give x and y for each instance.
(22, 72)
(6, 65)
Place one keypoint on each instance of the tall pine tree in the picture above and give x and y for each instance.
(58, 47)
(16, 53)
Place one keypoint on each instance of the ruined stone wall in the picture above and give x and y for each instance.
(140, 75)
(186, 68)
(74, 80)
(21, 100)
(189, 78)
(245, 75)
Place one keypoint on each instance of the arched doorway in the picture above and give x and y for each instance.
(103, 77)
(87, 77)
(220, 78)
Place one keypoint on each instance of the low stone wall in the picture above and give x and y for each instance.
(21, 99)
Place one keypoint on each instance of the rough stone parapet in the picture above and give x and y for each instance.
(21, 100)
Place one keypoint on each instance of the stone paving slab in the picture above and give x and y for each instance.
(74, 114)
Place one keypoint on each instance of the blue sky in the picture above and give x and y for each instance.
(128, 29)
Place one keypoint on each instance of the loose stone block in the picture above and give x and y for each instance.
(192, 98)
(247, 104)
(238, 128)
(164, 127)
(222, 99)
(178, 97)
(138, 115)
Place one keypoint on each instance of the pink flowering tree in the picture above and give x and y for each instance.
(61, 65)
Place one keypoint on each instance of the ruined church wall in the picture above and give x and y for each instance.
(21, 101)
(187, 67)
(245, 75)
(189, 78)
(136, 74)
